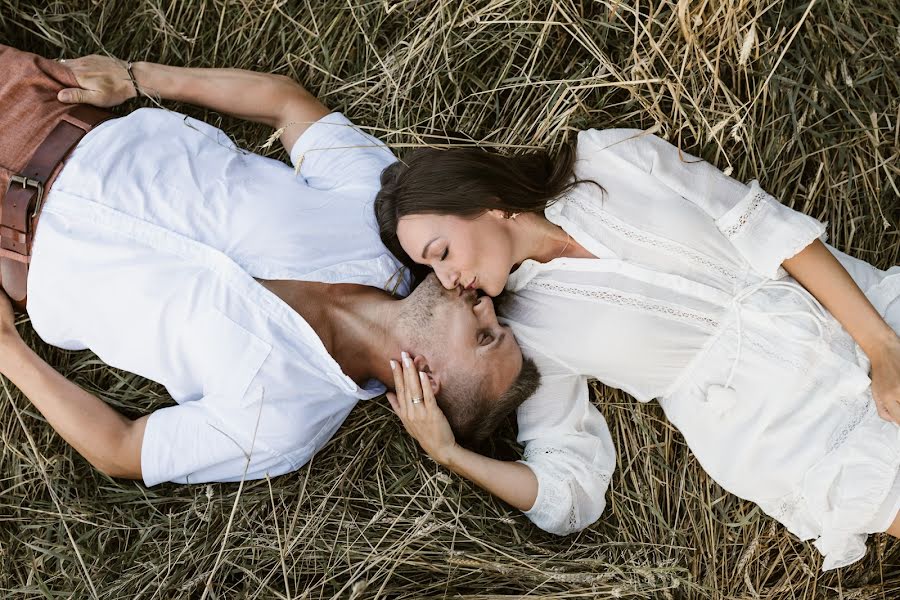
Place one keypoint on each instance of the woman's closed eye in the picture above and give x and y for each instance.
(446, 252)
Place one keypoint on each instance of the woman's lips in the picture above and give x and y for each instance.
(472, 284)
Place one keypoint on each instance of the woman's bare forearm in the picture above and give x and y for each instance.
(107, 439)
(512, 482)
(827, 279)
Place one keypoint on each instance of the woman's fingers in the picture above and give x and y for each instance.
(893, 410)
(882, 412)
(400, 389)
(399, 386)
(411, 381)
(427, 392)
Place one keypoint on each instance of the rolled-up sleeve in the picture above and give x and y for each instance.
(763, 230)
(569, 449)
(335, 153)
(189, 443)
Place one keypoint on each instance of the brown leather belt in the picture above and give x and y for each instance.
(20, 206)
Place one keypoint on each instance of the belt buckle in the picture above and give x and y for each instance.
(27, 182)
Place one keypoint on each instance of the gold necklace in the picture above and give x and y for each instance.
(566, 247)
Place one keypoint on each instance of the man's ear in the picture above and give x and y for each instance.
(421, 364)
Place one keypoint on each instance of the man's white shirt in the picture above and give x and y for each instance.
(146, 253)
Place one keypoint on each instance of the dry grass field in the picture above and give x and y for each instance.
(801, 95)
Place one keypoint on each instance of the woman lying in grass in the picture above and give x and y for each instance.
(652, 271)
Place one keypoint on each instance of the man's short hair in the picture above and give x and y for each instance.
(473, 416)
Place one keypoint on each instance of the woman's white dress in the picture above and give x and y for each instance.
(688, 286)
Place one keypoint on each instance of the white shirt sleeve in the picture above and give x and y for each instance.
(189, 443)
(570, 451)
(764, 231)
(333, 152)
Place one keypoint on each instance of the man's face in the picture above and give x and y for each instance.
(458, 334)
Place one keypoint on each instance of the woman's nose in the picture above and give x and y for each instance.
(449, 281)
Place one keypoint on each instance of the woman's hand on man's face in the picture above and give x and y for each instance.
(423, 420)
(102, 81)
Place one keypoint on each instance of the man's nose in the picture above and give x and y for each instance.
(483, 306)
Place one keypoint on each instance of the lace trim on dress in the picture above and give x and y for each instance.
(735, 228)
(531, 452)
(617, 298)
(646, 239)
(859, 410)
(785, 507)
(553, 496)
(770, 350)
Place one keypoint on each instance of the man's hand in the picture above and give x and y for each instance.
(102, 81)
(423, 419)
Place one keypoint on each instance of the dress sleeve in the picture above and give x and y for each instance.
(570, 451)
(333, 152)
(764, 231)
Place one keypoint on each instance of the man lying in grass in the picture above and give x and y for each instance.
(254, 294)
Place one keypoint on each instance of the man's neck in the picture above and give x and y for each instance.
(354, 322)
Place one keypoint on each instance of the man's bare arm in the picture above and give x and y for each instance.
(107, 439)
(273, 100)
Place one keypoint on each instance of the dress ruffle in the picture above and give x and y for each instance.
(847, 489)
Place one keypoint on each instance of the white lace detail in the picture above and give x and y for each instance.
(531, 452)
(784, 508)
(646, 239)
(859, 408)
(761, 344)
(835, 334)
(735, 228)
(553, 496)
(618, 298)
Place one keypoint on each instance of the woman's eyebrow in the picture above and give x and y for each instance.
(425, 249)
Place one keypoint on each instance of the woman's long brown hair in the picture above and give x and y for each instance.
(467, 182)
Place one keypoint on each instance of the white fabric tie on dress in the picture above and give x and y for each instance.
(722, 398)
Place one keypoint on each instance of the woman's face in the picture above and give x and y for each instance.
(462, 251)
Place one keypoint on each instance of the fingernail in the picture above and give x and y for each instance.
(405, 358)
(423, 377)
(393, 365)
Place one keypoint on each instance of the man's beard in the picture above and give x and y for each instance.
(417, 318)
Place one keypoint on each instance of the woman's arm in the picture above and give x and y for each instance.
(273, 100)
(569, 455)
(107, 439)
(827, 279)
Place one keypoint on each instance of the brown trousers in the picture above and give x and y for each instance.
(29, 111)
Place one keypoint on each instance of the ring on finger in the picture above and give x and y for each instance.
(418, 399)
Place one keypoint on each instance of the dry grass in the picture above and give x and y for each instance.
(802, 95)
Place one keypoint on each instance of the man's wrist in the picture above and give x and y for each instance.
(10, 342)
(139, 76)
